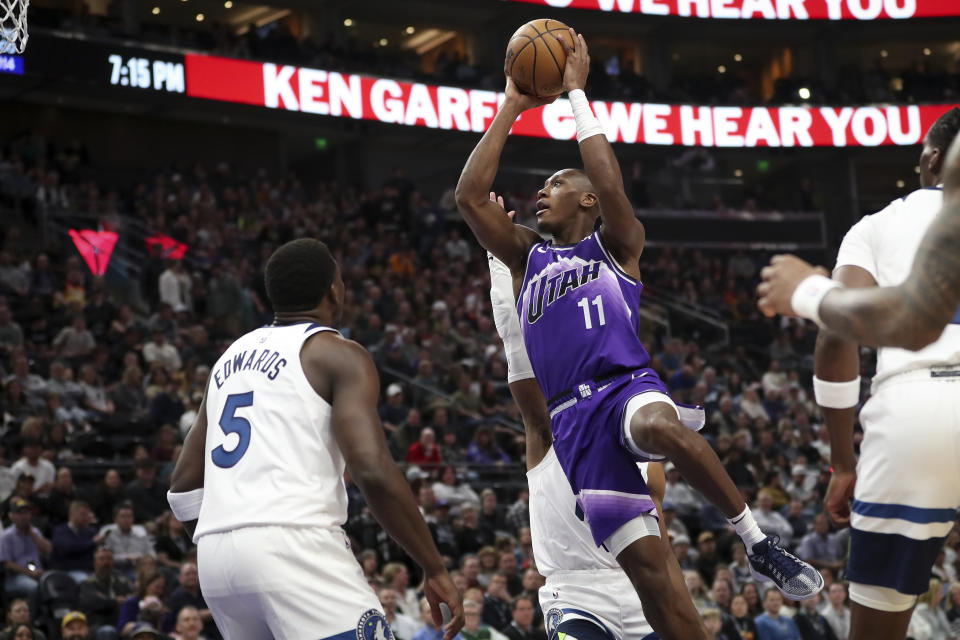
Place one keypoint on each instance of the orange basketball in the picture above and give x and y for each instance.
(535, 58)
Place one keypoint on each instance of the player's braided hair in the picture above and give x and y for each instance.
(299, 275)
(945, 129)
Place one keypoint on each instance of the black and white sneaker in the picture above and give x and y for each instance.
(796, 579)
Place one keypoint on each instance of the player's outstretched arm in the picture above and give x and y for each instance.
(187, 474)
(837, 386)
(911, 315)
(343, 371)
(495, 232)
(622, 232)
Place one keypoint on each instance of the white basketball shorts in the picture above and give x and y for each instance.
(908, 487)
(507, 321)
(604, 599)
(287, 582)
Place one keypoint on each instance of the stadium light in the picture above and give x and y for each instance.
(804, 93)
(721, 69)
(199, 17)
(409, 31)
(348, 22)
(737, 57)
(228, 4)
(156, 11)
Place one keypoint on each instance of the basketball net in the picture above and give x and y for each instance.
(13, 26)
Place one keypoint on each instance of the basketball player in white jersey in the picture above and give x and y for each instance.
(587, 595)
(906, 486)
(286, 408)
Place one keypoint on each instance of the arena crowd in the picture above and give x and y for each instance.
(103, 376)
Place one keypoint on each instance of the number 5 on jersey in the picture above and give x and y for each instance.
(232, 423)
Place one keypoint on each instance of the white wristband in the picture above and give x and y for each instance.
(587, 123)
(185, 505)
(836, 395)
(809, 294)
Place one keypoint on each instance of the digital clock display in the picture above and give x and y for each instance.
(145, 73)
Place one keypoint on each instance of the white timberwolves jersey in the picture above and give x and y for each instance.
(561, 538)
(270, 455)
(884, 244)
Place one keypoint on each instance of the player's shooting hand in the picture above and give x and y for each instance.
(578, 62)
(839, 495)
(440, 588)
(523, 101)
(499, 200)
(780, 280)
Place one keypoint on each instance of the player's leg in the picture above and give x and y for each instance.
(238, 616)
(652, 429)
(908, 488)
(666, 603)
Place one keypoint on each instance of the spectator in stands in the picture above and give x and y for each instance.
(128, 541)
(145, 600)
(394, 411)
(496, 603)
(707, 559)
(95, 396)
(473, 536)
(518, 513)
(770, 521)
(472, 628)
(11, 333)
(721, 592)
(775, 379)
(188, 595)
(172, 542)
(492, 515)
(698, 593)
(470, 569)
(507, 565)
(147, 494)
(175, 285)
(713, 624)
(189, 625)
(429, 630)
(57, 505)
(678, 493)
(107, 495)
(75, 541)
(21, 546)
(836, 611)
(451, 490)
(104, 592)
(483, 449)
(929, 611)
(403, 626)
(22, 488)
(397, 576)
(159, 350)
(128, 397)
(770, 624)
(74, 626)
(41, 469)
(681, 549)
(741, 617)
(75, 342)
(521, 626)
(18, 616)
(821, 548)
(424, 452)
(811, 624)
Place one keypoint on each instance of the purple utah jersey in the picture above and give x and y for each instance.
(577, 311)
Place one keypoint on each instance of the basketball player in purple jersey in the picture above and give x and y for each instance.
(577, 297)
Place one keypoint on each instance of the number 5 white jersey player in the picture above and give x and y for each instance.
(587, 595)
(287, 408)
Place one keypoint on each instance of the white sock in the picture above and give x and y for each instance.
(747, 529)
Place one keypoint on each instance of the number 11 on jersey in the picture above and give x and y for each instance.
(585, 305)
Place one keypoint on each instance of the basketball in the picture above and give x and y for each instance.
(535, 58)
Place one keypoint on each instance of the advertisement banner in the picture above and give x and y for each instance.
(769, 9)
(331, 93)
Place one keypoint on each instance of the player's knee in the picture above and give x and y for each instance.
(656, 432)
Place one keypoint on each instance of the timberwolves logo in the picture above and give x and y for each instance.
(551, 621)
(373, 626)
